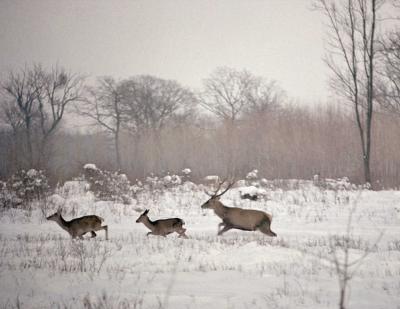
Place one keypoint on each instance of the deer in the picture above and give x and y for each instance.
(238, 218)
(162, 227)
(79, 226)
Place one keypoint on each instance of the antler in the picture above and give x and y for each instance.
(230, 184)
(215, 193)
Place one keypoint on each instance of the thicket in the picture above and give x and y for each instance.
(289, 143)
(22, 188)
(293, 142)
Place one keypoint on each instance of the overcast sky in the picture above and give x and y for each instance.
(183, 40)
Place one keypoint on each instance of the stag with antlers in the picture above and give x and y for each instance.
(238, 218)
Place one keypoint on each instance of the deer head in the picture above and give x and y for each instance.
(142, 216)
(214, 197)
(56, 216)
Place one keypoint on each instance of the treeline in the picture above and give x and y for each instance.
(144, 124)
(278, 138)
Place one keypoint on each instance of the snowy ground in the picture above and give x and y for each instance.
(41, 267)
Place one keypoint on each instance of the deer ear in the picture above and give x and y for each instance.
(146, 211)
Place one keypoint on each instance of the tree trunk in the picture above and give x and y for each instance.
(29, 141)
(342, 298)
(117, 150)
(370, 95)
(367, 171)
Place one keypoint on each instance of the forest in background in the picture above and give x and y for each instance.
(235, 123)
(283, 141)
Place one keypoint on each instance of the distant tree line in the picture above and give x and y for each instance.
(237, 122)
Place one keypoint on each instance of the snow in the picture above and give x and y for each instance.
(41, 267)
(32, 173)
(252, 175)
(397, 209)
(123, 177)
(186, 171)
(167, 179)
(90, 166)
(252, 190)
(176, 180)
(211, 179)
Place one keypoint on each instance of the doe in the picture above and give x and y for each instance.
(79, 226)
(162, 227)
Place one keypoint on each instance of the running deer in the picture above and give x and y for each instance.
(79, 226)
(162, 227)
(238, 218)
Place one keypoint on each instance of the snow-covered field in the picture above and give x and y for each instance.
(41, 267)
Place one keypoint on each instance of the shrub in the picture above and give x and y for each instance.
(107, 185)
(22, 188)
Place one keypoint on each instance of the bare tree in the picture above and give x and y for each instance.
(59, 89)
(20, 92)
(234, 95)
(34, 101)
(151, 102)
(351, 57)
(105, 107)
(11, 116)
(263, 96)
(226, 93)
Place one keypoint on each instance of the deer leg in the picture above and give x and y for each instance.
(226, 228)
(105, 228)
(220, 225)
(181, 233)
(265, 228)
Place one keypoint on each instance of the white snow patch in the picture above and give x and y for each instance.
(90, 166)
(214, 179)
(252, 175)
(32, 173)
(186, 171)
(252, 190)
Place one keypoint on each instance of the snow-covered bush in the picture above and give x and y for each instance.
(341, 184)
(22, 188)
(211, 180)
(7, 197)
(252, 193)
(186, 171)
(160, 183)
(77, 186)
(252, 175)
(186, 174)
(107, 185)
